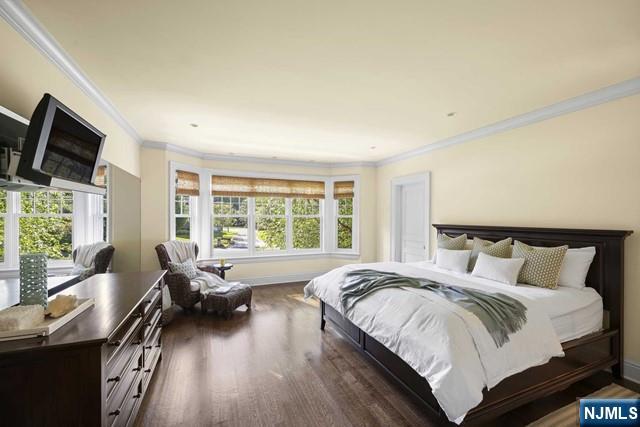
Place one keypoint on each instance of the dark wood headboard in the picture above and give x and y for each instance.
(606, 274)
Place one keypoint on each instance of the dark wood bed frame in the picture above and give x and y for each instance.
(583, 356)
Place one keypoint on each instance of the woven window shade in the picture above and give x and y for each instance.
(343, 190)
(256, 187)
(187, 183)
(101, 176)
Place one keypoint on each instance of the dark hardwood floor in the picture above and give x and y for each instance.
(272, 366)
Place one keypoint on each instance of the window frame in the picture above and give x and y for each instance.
(205, 217)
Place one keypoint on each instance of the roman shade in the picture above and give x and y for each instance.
(101, 176)
(266, 187)
(187, 183)
(343, 190)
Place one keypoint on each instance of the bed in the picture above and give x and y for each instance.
(588, 323)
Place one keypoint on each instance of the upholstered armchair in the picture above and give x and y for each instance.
(102, 259)
(182, 291)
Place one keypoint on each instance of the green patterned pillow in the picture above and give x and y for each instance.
(541, 265)
(452, 243)
(501, 249)
(187, 268)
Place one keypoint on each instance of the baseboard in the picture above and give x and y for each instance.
(632, 371)
(285, 278)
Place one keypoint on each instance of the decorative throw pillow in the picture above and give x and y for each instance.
(541, 265)
(575, 267)
(500, 269)
(451, 243)
(501, 249)
(187, 268)
(453, 260)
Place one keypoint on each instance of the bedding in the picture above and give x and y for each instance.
(504, 270)
(575, 267)
(444, 343)
(500, 314)
(501, 249)
(573, 312)
(455, 260)
(541, 265)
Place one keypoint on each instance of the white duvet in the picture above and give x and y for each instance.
(441, 341)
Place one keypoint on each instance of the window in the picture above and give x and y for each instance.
(49, 222)
(45, 224)
(230, 222)
(187, 189)
(271, 224)
(307, 223)
(262, 216)
(343, 194)
(244, 216)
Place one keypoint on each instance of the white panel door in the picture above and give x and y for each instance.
(413, 245)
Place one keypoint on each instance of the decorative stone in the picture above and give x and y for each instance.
(33, 279)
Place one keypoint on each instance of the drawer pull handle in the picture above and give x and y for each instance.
(137, 396)
(147, 370)
(115, 413)
(114, 379)
(148, 347)
(158, 345)
(115, 343)
(136, 315)
(147, 324)
(147, 301)
(137, 342)
(137, 369)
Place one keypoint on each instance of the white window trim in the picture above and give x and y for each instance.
(203, 221)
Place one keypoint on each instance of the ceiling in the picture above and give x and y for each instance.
(331, 80)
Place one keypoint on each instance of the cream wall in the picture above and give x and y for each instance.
(155, 213)
(26, 75)
(579, 170)
(124, 190)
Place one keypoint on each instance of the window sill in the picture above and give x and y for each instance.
(52, 270)
(240, 259)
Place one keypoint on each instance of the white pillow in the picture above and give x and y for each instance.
(504, 270)
(454, 260)
(575, 267)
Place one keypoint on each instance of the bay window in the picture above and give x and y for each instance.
(266, 215)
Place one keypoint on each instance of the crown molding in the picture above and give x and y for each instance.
(156, 145)
(581, 102)
(26, 24)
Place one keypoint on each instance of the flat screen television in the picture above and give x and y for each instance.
(61, 149)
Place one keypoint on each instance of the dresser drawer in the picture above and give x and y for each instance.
(117, 404)
(128, 331)
(116, 379)
(151, 323)
(151, 300)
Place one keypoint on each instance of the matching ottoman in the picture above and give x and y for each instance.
(225, 304)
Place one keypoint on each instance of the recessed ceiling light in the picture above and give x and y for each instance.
(274, 157)
(231, 153)
(451, 114)
(193, 125)
(373, 147)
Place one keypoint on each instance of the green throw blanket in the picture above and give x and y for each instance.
(499, 313)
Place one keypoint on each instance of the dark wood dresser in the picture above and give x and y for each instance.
(95, 370)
